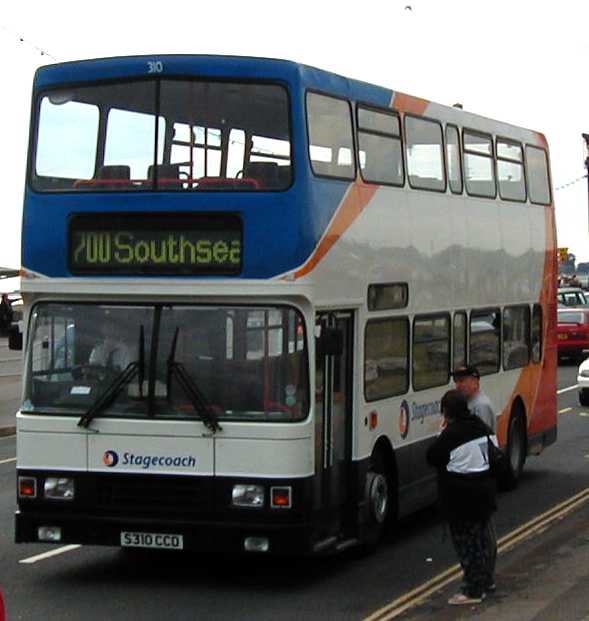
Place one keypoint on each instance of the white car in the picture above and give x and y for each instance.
(572, 296)
(583, 382)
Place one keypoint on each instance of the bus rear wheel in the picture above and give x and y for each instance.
(516, 449)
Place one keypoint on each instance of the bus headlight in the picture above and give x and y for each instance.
(248, 496)
(59, 488)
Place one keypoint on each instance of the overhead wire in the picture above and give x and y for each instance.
(28, 43)
(569, 183)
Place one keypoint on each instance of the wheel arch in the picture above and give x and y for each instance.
(384, 447)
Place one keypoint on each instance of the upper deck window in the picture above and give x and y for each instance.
(538, 180)
(78, 132)
(330, 136)
(425, 155)
(453, 159)
(510, 170)
(171, 135)
(379, 147)
(479, 167)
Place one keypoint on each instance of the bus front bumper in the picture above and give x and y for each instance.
(206, 537)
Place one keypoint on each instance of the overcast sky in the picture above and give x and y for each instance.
(523, 62)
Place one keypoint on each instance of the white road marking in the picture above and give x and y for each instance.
(559, 392)
(565, 410)
(7, 461)
(56, 552)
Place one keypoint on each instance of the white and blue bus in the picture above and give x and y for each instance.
(246, 284)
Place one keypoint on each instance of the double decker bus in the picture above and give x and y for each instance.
(246, 284)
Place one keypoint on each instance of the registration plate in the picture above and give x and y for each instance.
(152, 540)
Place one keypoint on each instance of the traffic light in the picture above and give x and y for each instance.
(563, 255)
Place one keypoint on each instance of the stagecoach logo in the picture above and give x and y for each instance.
(110, 459)
(404, 419)
(146, 462)
(417, 412)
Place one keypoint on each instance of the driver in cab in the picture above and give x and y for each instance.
(112, 352)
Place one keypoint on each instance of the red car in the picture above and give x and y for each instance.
(573, 332)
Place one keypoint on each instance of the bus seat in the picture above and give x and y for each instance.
(224, 183)
(168, 176)
(284, 176)
(265, 173)
(113, 177)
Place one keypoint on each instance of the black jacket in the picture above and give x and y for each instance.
(467, 489)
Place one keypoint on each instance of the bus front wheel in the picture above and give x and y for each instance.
(378, 499)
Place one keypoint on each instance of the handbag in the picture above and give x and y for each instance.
(498, 461)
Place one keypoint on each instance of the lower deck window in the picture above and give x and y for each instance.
(516, 336)
(431, 351)
(386, 364)
(485, 340)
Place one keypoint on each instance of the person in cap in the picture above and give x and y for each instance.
(467, 494)
(468, 382)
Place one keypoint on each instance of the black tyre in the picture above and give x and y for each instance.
(379, 499)
(516, 449)
(584, 396)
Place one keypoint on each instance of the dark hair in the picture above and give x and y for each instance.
(454, 404)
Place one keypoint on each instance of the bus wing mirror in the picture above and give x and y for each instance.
(330, 342)
(14, 338)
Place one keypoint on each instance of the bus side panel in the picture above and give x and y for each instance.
(537, 382)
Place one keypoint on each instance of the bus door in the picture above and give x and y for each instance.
(333, 422)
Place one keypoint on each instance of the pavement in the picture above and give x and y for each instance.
(544, 578)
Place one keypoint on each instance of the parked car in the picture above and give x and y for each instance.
(573, 332)
(584, 280)
(572, 296)
(583, 382)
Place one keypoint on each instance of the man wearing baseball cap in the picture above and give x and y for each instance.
(468, 382)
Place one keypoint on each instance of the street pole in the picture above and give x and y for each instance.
(586, 139)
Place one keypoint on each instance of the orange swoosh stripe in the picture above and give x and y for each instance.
(352, 206)
(412, 105)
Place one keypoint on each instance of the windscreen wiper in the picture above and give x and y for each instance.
(113, 389)
(197, 399)
(118, 383)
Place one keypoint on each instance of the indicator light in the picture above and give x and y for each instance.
(281, 497)
(27, 487)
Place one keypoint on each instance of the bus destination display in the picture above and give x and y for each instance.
(166, 244)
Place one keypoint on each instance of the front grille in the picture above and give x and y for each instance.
(154, 495)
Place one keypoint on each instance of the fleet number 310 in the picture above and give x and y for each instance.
(155, 66)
